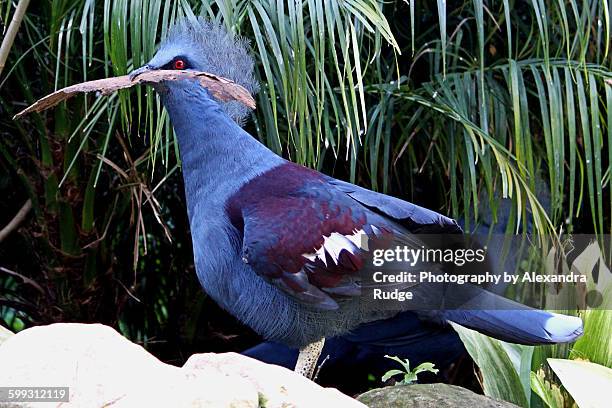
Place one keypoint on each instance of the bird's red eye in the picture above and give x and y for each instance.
(179, 64)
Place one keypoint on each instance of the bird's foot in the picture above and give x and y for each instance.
(308, 357)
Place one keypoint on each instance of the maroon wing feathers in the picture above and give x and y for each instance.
(303, 235)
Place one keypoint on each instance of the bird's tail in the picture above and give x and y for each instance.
(497, 316)
(521, 325)
(527, 326)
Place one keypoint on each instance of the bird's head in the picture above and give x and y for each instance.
(201, 45)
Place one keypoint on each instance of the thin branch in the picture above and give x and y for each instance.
(127, 290)
(25, 279)
(17, 219)
(316, 374)
(110, 219)
(9, 38)
(5, 48)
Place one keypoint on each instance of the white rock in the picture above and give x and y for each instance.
(4, 334)
(278, 386)
(102, 368)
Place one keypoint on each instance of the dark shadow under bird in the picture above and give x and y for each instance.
(275, 242)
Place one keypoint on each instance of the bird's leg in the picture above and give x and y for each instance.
(308, 357)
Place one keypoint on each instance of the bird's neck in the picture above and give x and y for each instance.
(217, 155)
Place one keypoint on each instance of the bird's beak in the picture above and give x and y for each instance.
(139, 71)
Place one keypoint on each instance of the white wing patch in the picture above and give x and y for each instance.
(336, 242)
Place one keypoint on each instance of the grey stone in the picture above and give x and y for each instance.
(428, 396)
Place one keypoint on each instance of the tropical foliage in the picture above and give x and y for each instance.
(490, 111)
(533, 376)
(408, 375)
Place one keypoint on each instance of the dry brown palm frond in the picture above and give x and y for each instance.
(221, 88)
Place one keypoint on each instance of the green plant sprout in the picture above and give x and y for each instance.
(410, 376)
